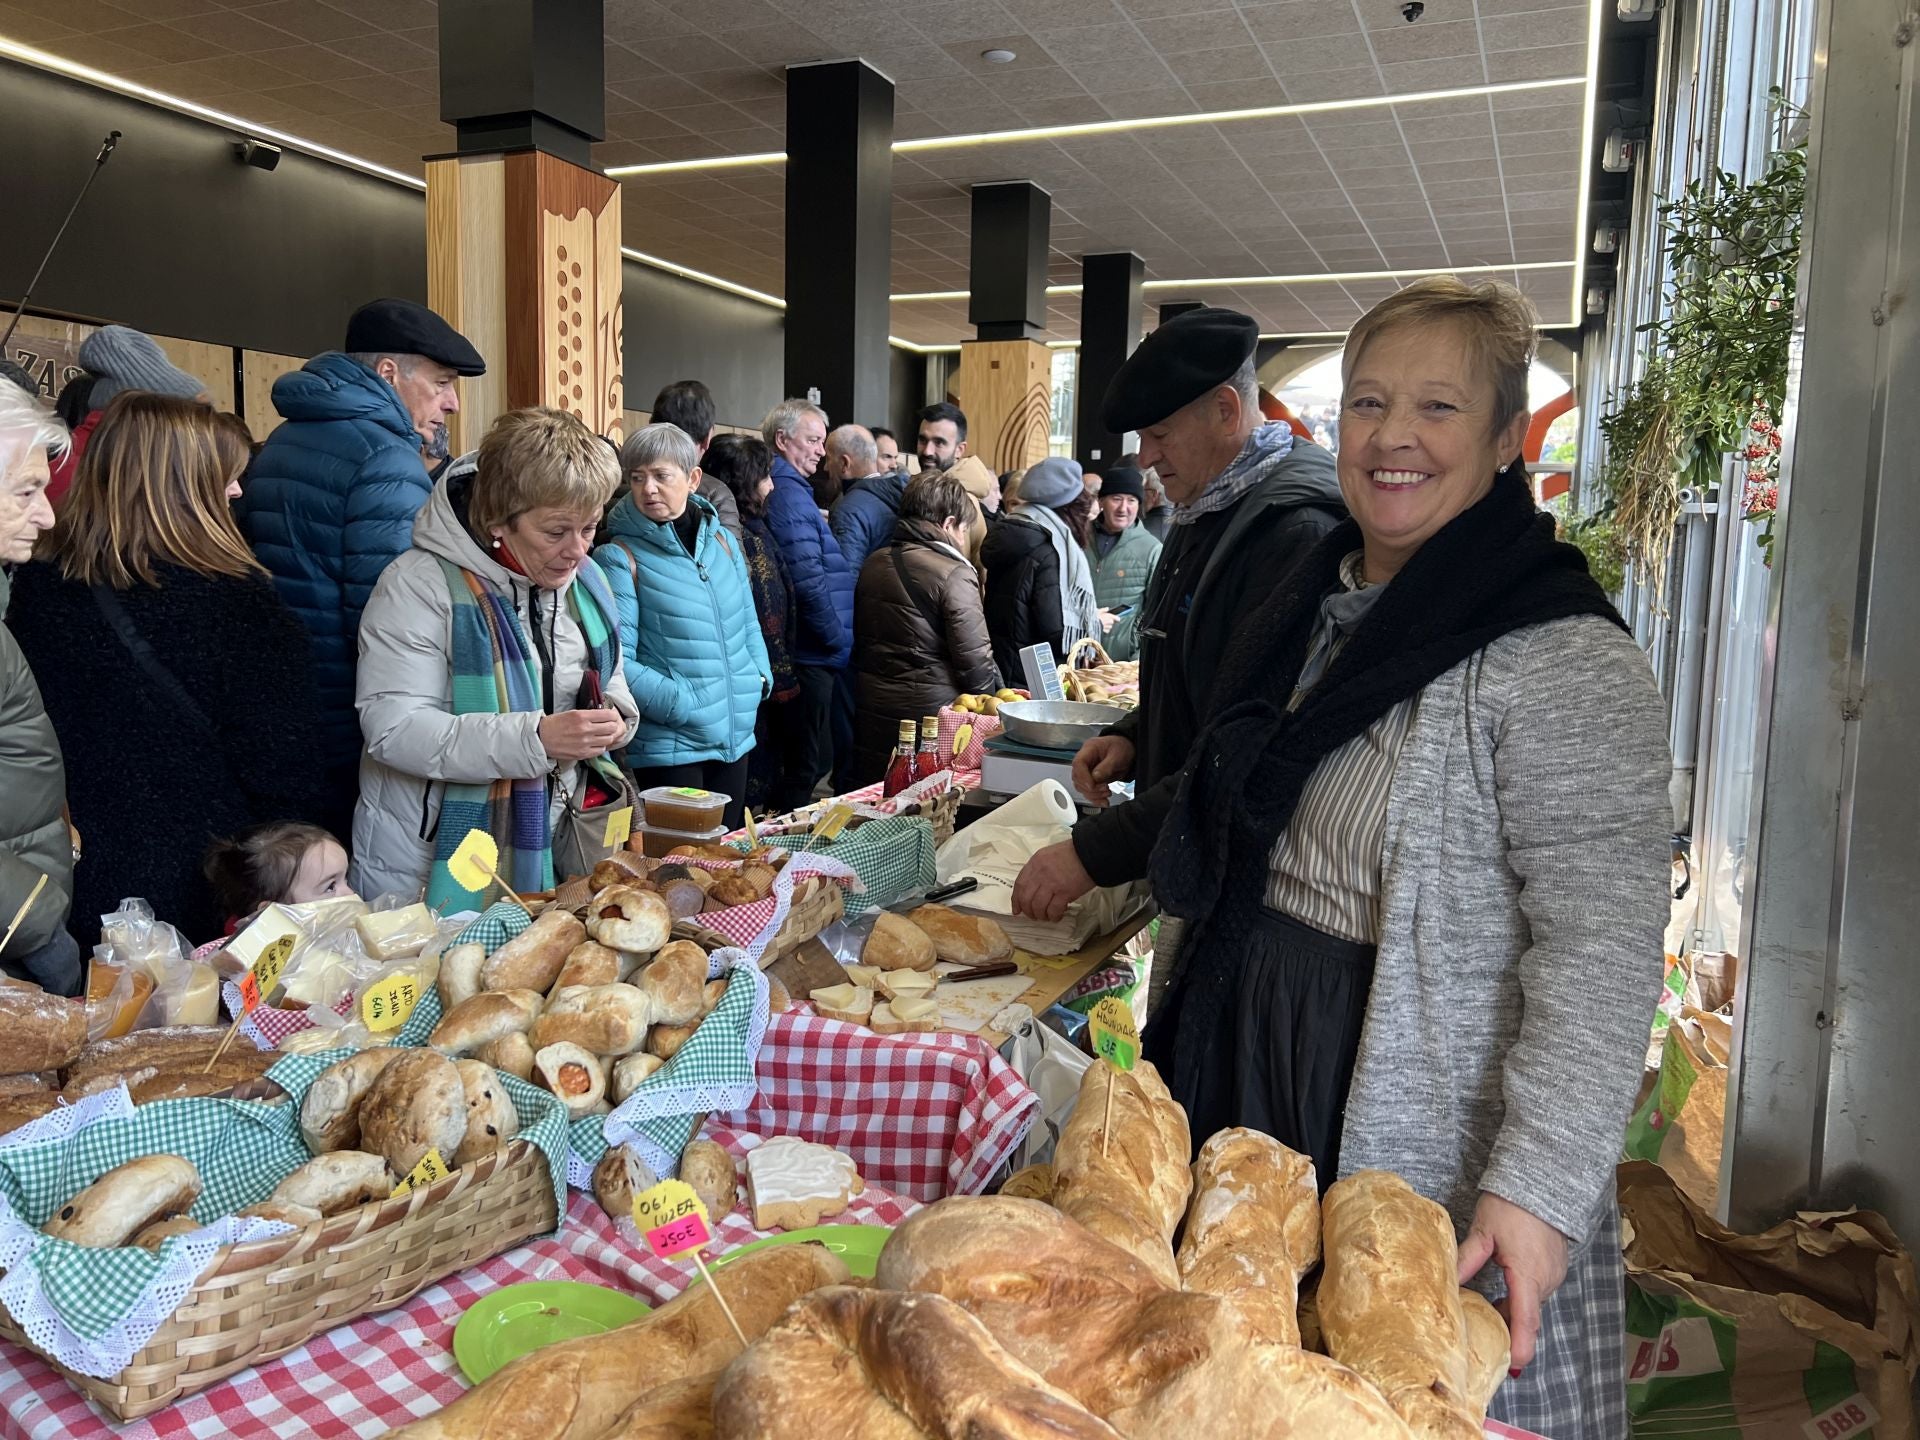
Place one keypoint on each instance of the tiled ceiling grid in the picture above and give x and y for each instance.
(1486, 180)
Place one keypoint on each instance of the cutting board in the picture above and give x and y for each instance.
(806, 968)
(969, 1006)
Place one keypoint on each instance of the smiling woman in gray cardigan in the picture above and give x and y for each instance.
(1422, 851)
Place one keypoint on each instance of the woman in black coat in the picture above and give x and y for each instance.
(1039, 588)
(180, 686)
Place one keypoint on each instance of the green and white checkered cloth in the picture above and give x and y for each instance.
(712, 1071)
(892, 857)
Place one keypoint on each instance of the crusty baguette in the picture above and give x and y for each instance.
(1390, 1301)
(1135, 1191)
(1253, 1228)
(897, 944)
(534, 958)
(678, 1410)
(38, 1031)
(886, 1366)
(578, 1389)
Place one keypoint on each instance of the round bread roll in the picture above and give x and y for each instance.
(285, 1211)
(760, 876)
(484, 1018)
(125, 1200)
(330, 1114)
(712, 995)
(621, 1175)
(684, 898)
(631, 919)
(591, 963)
(532, 959)
(676, 983)
(897, 944)
(492, 1119)
(510, 1053)
(620, 868)
(329, 1184)
(666, 1040)
(417, 1104)
(459, 977)
(729, 891)
(606, 1019)
(152, 1237)
(573, 1074)
(628, 1072)
(710, 1170)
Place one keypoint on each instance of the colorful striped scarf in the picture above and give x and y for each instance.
(496, 672)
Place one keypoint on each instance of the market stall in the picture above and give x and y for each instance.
(783, 1021)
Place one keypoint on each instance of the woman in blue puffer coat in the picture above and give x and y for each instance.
(695, 658)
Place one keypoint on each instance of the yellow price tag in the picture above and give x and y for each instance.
(430, 1169)
(474, 863)
(962, 737)
(753, 831)
(265, 973)
(671, 1218)
(833, 822)
(1116, 1039)
(619, 826)
(387, 1003)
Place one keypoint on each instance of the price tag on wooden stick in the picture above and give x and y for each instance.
(264, 974)
(387, 1003)
(476, 864)
(962, 738)
(619, 827)
(830, 824)
(1116, 1039)
(674, 1222)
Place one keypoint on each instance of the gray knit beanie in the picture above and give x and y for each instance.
(125, 359)
(1053, 482)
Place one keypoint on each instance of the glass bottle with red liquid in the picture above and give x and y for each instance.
(928, 762)
(900, 768)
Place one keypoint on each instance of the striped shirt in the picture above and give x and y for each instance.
(1325, 867)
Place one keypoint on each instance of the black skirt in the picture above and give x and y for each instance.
(1268, 1042)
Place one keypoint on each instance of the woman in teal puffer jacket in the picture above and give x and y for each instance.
(695, 658)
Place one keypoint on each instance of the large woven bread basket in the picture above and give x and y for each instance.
(264, 1298)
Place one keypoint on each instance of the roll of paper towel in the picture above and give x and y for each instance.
(993, 849)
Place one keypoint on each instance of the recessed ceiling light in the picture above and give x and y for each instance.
(998, 56)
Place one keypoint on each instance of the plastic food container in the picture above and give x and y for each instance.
(676, 808)
(658, 840)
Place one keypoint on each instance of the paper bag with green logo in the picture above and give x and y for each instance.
(1805, 1332)
(1680, 1122)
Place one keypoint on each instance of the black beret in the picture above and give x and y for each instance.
(1123, 480)
(1178, 363)
(402, 327)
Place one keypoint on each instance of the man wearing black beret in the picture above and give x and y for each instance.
(1248, 501)
(330, 498)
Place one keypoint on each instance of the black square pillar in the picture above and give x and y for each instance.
(1172, 308)
(1011, 222)
(1110, 305)
(525, 75)
(839, 237)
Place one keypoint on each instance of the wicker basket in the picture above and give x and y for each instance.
(264, 1298)
(817, 903)
(942, 812)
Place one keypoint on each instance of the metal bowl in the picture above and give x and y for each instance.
(1057, 724)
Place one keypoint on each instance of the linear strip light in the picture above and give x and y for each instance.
(1216, 282)
(1577, 301)
(687, 272)
(1115, 127)
(40, 59)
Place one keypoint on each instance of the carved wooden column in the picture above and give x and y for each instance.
(1006, 389)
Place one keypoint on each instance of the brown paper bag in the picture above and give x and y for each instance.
(1680, 1122)
(1804, 1332)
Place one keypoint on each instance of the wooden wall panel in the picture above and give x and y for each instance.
(259, 371)
(1006, 388)
(466, 279)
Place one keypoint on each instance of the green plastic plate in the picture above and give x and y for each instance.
(520, 1319)
(858, 1245)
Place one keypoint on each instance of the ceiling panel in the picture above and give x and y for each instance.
(1485, 180)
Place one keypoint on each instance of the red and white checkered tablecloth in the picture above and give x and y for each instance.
(935, 1115)
(385, 1370)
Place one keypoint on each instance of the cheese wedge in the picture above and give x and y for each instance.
(897, 984)
(852, 1003)
(867, 975)
(898, 1017)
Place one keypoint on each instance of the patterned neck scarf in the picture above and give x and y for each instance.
(1265, 448)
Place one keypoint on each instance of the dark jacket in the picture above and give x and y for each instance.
(822, 584)
(773, 602)
(329, 503)
(862, 519)
(33, 832)
(1023, 594)
(716, 494)
(150, 786)
(921, 639)
(1232, 560)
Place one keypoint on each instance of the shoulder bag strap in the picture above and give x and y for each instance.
(136, 645)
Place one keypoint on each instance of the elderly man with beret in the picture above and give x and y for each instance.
(1248, 502)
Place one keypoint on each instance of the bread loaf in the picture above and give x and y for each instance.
(578, 1389)
(678, 1410)
(589, 963)
(573, 1075)
(161, 1231)
(532, 960)
(1134, 1192)
(1390, 1301)
(628, 1073)
(482, 1019)
(962, 938)
(459, 978)
(329, 1184)
(1253, 1228)
(330, 1114)
(605, 1019)
(492, 1119)
(887, 1366)
(125, 1200)
(626, 917)
(1489, 1349)
(416, 1104)
(666, 1041)
(676, 983)
(897, 944)
(39, 1031)
(710, 1170)
(621, 1175)
(168, 1063)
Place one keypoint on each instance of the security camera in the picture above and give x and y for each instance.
(1412, 11)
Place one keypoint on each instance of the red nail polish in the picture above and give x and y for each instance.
(1513, 1374)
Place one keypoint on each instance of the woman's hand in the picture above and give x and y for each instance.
(581, 734)
(1531, 1252)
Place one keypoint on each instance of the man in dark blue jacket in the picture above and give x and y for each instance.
(862, 519)
(331, 496)
(796, 431)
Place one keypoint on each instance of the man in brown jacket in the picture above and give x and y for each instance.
(920, 635)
